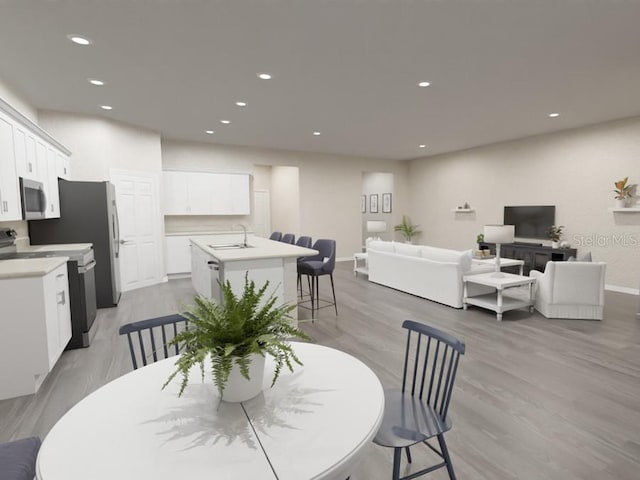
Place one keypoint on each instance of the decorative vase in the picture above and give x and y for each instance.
(621, 203)
(555, 244)
(238, 388)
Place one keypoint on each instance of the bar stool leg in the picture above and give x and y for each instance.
(335, 304)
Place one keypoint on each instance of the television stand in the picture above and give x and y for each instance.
(534, 256)
(531, 244)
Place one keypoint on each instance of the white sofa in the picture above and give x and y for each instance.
(570, 290)
(428, 272)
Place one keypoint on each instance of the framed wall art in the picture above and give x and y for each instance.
(373, 203)
(386, 203)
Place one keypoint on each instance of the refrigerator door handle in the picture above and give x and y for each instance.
(116, 228)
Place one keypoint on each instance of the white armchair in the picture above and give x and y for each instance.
(570, 290)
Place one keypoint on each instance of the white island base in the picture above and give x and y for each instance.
(265, 260)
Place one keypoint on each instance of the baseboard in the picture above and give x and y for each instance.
(344, 259)
(615, 288)
(173, 276)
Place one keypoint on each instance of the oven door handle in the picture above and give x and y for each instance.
(89, 266)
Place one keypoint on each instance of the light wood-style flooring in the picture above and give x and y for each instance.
(535, 398)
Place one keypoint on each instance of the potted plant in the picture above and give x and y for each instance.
(623, 192)
(555, 233)
(407, 229)
(235, 335)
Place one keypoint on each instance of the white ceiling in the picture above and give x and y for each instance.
(347, 68)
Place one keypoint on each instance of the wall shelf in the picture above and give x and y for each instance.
(626, 210)
(463, 210)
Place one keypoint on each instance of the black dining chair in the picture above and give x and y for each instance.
(289, 238)
(418, 411)
(149, 339)
(303, 241)
(277, 236)
(18, 459)
(316, 266)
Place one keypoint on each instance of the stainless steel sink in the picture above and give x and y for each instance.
(230, 246)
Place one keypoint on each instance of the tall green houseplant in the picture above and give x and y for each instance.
(232, 331)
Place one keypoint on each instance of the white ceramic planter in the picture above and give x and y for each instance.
(621, 203)
(238, 388)
(555, 244)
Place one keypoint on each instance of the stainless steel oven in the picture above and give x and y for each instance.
(34, 200)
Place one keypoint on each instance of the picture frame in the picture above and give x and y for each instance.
(373, 203)
(363, 204)
(386, 203)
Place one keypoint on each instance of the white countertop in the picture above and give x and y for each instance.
(260, 248)
(56, 247)
(30, 267)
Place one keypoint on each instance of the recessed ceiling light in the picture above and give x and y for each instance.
(264, 76)
(210, 132)
(317, 133)
(79, 40)
(422, 146)
(241, 104)
(226, 122)
(95, 81)
(106, 107)
(424, 84)
(554, 115)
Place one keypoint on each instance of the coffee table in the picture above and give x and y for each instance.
(497, 301)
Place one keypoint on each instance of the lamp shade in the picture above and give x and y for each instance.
(499, 233)
(376, 226)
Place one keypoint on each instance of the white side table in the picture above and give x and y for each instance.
(360, 267)
(496, 301)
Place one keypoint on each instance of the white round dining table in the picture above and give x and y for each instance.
(312, 424)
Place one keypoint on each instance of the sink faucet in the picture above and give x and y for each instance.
(244, 229)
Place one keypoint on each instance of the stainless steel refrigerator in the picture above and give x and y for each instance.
(88, 214)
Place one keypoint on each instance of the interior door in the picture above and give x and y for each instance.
(261, 213)
(138, 206)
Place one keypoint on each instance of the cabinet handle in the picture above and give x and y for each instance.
(52, 207)
(62, 298)
(30, 167)
(60, 275)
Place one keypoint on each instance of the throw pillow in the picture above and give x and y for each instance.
(571, 259)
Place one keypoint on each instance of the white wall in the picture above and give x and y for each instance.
(12, 96)
(573, 170)
(330, 185)
(99, 145)
(285, 200)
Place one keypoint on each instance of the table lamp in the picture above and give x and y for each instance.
(376, 226)
(498, 234)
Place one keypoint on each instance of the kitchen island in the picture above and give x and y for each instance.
(264, 260)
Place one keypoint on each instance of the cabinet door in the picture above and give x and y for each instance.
(53, 196)
(178, 252)
(203, 190)
(57, 312)
(220, 185)
(20, 149)
(10, 208)
(63, 165)
(175, 193)
(240, 195)
(31, 164)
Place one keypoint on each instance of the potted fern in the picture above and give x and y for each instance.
(233, 337)
(407, 229)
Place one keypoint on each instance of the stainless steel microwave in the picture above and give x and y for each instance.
(34, 200)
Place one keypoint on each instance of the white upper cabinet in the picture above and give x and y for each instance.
(204, 193)
(10, 206)
(28, 151)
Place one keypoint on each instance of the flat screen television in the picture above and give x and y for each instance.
(531, 221)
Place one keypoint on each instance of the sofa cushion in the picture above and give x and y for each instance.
(449, 256)
(381, 246)
(408, 250)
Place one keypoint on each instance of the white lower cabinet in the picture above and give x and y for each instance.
(34, 330)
